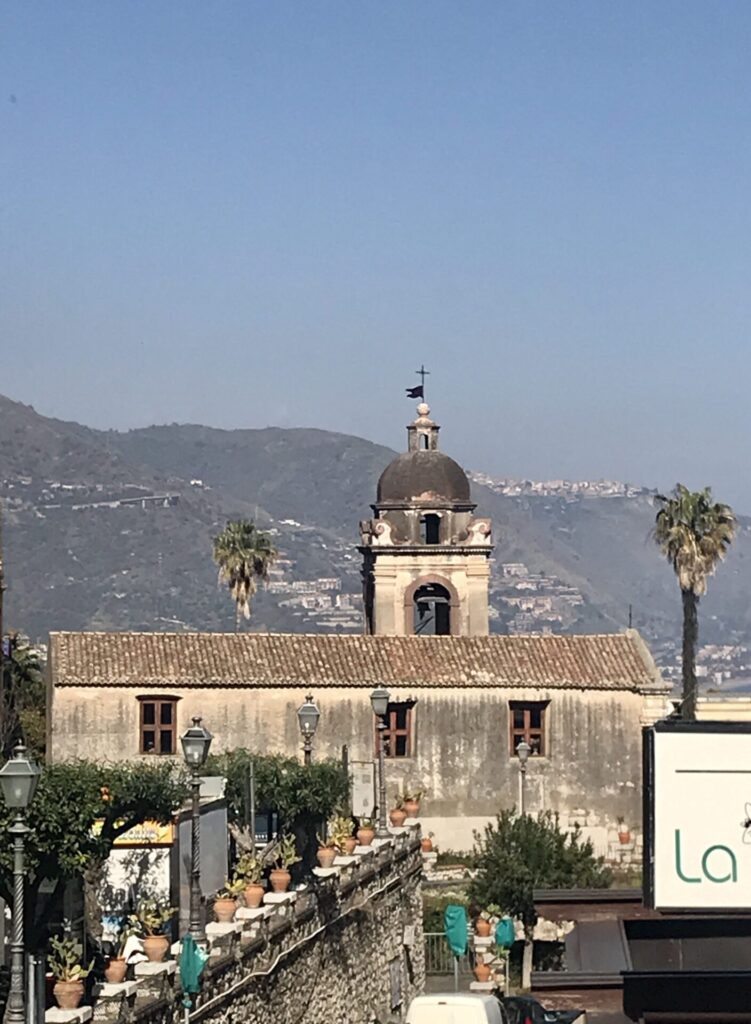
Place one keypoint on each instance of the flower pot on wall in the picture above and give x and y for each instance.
(397, 817)
(412, 807)
(224, 910)
(155, 947)
(68, 994)
(326, 855)
(365, 836)
(349, 845)
(280, 879)
(624, 837)
(426, 845)
(482, 972)
(115, 970)
(253, 895)
(482, 928)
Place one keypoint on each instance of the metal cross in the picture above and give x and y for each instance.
(422, 373)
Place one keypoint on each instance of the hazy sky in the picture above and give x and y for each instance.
(246, 213)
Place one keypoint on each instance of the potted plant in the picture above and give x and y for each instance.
(250, 870)
(149, 921)
(426, 843)
(341, 830)
(327, 850)
(280, 877)
(225, 901)
(624, 832)
(366, 832)
(482, 971)
(411, 803)
(115, 970)
(484, 922)
(398, 814)
(68, 971)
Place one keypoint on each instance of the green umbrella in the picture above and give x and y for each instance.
(192, 962)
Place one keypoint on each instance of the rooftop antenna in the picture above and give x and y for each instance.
(630, 616)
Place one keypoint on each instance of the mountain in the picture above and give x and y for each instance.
(109, 530)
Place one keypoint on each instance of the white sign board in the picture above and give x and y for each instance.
(362, 777)
(699, 816)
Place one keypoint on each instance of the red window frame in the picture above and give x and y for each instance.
(398, 736)
(157, 719)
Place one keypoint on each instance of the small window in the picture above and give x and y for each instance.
(158, 723)
(397, 737)
(527, 722)
(424, 442)
(430, 529)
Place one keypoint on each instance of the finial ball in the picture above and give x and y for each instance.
(423, 409)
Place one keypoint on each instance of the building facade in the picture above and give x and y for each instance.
(461, 700)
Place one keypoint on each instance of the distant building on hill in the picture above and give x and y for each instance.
(461, 701)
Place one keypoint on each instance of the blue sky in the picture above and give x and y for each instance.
(246, 214)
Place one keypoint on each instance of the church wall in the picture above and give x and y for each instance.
(592, 774)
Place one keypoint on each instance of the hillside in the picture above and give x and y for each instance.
(105, 530)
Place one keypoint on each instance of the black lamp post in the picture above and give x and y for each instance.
(18, 780)
(379, 700)
(307, 718)
(523, 751)
(195, 742)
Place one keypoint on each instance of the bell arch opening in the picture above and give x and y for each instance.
(431, 610)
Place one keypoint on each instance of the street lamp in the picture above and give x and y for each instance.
(379, 700)
(18, 780)
(523, 751)
(307, 717)
(195, 741)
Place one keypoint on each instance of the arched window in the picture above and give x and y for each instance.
(430, 529)
(432, 611)
(424, 442)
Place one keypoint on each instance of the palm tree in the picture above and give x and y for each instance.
(244, 555)
(694, 534)
(23, 711)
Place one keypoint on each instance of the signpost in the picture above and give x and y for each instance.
(362, 776)
(697, 816)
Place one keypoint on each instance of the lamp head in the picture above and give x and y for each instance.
(379, 699)
(19, 778)
(523, 751)
(307, 717)
(196, 741)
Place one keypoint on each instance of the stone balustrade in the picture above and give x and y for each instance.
(345, 945)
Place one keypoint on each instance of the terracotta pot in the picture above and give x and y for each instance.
(482, 928)
(68, 994)
(426, 845)
(624, 837)
(254, 895)
(482, 972)
(115, 970)
(280, 879)
(349, 845)
(224, 909)
(397, 817)
(326, 855)
(155, 947)
(365, 836)
(412, 808)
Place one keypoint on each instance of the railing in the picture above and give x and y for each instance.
(438, 956)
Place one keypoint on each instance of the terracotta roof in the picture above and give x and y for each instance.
(604, 662)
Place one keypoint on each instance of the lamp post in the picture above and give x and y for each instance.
(523, 751)
(18, 780)
(379, 700)
(196, 741)
(307, 718)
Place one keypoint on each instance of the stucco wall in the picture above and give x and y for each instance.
(591, 774)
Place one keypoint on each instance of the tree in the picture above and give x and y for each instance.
(302, 795)
(23, 696)
(67, 840)
(521, 853)
(244, 555)
(694, 534)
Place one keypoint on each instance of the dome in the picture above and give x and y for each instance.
(422, 476)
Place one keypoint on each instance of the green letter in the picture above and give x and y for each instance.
(678, 859)
(733, 876)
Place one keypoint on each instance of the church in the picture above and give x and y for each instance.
(461, 701)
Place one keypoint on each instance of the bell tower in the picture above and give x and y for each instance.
(425, 555)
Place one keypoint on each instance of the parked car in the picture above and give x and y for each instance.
(456, 1008)
(525, 1010)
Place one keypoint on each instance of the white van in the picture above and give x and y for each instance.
(455, 1008)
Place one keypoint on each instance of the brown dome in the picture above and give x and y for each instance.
(423, 476)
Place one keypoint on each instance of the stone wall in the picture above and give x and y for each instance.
(347, 949)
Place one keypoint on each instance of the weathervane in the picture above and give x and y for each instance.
(419, 391)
